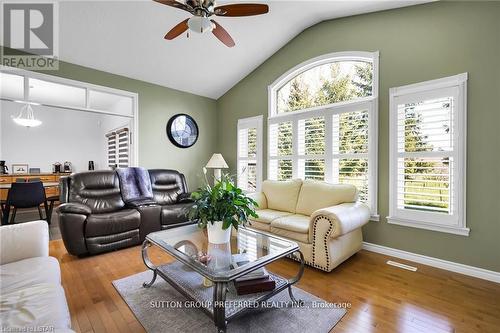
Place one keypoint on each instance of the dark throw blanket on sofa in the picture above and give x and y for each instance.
(135, 186)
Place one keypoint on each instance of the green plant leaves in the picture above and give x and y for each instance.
(222, 202)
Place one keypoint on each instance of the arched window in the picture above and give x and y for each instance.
(323, 122)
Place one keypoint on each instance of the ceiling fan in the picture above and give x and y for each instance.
(201, 22)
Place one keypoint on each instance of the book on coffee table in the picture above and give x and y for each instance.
(253, 282)
(242, 259)
(254, 286)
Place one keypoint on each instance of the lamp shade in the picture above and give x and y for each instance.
(217, 162)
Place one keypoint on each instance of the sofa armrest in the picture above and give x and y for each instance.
(260, 198)
(184, 198)
(345, 218)
(23, 241)
(74, 208)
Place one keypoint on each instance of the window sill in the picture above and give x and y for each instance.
(462, 231)
(375, 218)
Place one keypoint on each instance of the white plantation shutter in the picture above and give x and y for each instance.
(428, 155)
(311, 148)
(280, 151)
(119, 148)
(249, 157)
(350, 151)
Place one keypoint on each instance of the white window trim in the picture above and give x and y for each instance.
(460, 154)
(134, 140)
(252, 122)
(327, 111)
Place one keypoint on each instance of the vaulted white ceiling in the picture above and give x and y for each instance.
(126, 38)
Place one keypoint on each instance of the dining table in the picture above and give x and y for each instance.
(4, 218)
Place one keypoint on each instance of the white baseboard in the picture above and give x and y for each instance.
(435, 262)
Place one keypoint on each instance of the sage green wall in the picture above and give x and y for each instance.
(416, 44)
(156, 105)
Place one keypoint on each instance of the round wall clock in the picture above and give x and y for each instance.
(182, 130)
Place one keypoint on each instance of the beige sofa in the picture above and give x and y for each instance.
(324, 219)
(32, 298)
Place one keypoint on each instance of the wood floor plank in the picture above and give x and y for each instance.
(383, 298)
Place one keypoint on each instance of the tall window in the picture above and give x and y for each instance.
(250, 153)
(428, 155)
(323, 122)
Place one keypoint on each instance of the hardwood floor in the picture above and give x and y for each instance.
(383, 298)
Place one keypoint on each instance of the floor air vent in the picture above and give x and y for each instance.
(400, 265)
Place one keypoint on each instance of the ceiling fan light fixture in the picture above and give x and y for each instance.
(26, 117)
(200, 24)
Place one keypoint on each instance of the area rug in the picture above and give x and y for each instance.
(161, 308)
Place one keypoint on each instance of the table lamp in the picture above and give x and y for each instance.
(217, 163)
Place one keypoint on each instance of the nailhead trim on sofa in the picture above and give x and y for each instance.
(325, 244)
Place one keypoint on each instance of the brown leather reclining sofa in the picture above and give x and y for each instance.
(93, 217)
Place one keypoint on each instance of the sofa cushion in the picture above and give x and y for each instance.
(167, 185)
(260, 226)
(282, 195)
(296, 223)
(315, 195)
(28, 272)
(37, 305)
(268, 215)
(112, 223)
(24, 240)
(99, 190)
(177, 213)
(296, 236)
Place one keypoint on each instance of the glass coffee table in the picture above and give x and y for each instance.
(197, 259)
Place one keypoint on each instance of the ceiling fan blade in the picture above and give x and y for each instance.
(222, 35)
(241, 9)
(176, 4)
(177, 30)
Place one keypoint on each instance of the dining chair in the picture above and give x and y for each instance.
(26, 195)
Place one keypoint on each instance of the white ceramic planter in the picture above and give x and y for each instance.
(216, 235)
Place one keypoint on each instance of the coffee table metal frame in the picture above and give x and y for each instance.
(221, 281)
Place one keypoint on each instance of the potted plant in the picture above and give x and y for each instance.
(221, 206)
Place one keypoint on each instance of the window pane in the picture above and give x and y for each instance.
(424, 184)
(252, 142)
(352, 171)
(11, 86)
(425, 126)
(99, 100)
(312, 169)
(280, 169)
(280, 137)
(326, 84)
(247, 142)
(350, 132)
(312, 136)
(46, 92)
